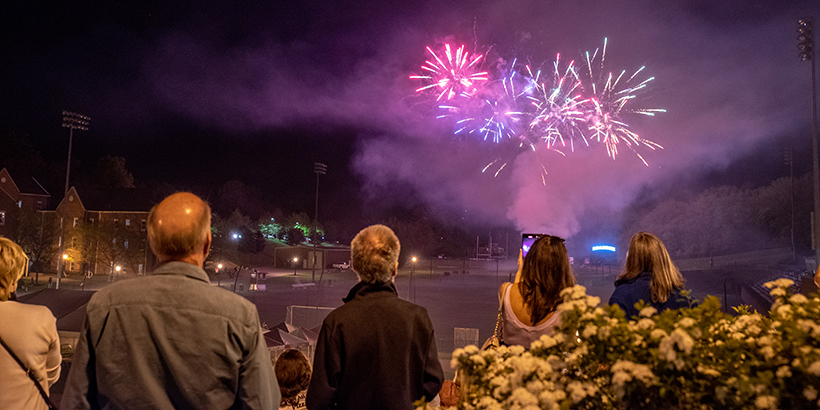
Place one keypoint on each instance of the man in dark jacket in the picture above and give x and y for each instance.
(376, 351)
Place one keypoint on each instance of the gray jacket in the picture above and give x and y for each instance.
(170, 341)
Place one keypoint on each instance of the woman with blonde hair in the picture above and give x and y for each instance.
(29, 340)
(650, 276)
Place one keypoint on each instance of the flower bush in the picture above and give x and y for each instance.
(691, 358)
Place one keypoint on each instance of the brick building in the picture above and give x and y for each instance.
(106, 228)
(25, 193)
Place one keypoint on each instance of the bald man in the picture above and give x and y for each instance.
(171, 340)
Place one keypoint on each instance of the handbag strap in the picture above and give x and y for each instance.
(30, 375)
(499, 330)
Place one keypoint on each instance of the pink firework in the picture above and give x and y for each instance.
(455, 75)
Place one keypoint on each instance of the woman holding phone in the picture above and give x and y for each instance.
(528, 305)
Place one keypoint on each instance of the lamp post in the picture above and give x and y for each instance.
(412, 271)
(294, 265)
(805, 49)
(218, 278)
(72, 121)
(318, 169)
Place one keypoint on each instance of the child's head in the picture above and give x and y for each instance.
(293, 374)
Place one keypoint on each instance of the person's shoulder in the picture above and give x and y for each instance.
(37, 312)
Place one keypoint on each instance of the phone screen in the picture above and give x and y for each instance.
(527, 240)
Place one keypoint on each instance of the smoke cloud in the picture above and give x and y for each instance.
(730, 82)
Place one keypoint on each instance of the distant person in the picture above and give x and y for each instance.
(30, 332)
(529, 307)
(170, 340)
(650, 276)
(376, 351)
(293, 374)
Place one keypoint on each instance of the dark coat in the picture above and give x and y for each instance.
(629, 291)
(375, 352)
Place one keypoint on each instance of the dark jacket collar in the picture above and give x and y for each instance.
(181, 269)
(643, 276)
(364, 288)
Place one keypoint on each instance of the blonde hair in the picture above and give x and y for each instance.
(648, 254)
(12, 263)
(374, 253)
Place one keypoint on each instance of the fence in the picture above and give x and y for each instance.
(307, 317)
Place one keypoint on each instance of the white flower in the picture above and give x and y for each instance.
(778, 292)
(814, 368)
(708, 371)
(593, 301)
(767, 352)
(590, 331)
(645, 323)
(798, 298)
(687, 322)
(478, 360)
(784, 372)
(780, 283)
(522, 397)
(657, 333)
(489, 403)
(810, 393)
(667, 349)
(647, 311)
(576, 391)
(683, 340)
(603, 332)
(766, 402)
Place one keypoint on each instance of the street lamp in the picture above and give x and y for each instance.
(412, 271)
(294, 265)
(805, 52)
(218, 278)
(318, 169)
(72, 121)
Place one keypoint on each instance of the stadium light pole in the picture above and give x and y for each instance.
(318, 169)
(805, 51)
(72, 121)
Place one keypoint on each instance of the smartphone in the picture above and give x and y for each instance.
(528, 239)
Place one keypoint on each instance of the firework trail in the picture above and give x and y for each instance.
(456, 75)
(608, 104)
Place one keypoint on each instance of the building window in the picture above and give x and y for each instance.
(2, 218)
(139, 269)
(39, 204)
(76, 221)
(20, 204)
(125, 244)
(71, 267)
(127, 222)
(143, 224)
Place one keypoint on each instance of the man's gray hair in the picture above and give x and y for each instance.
(374, 253)
(180, 243)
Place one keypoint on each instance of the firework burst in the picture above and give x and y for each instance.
(608, 105)
(454, 75)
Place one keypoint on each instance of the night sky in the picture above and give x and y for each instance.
(198, 93)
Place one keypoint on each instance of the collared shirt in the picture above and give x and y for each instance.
(375, 352)
(170, 341)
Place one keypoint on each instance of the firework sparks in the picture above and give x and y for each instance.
(604, 115)
(564, 106)
(455, 75)
(559, 107)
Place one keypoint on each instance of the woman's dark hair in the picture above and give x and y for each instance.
(545, 273)
(293, 374)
